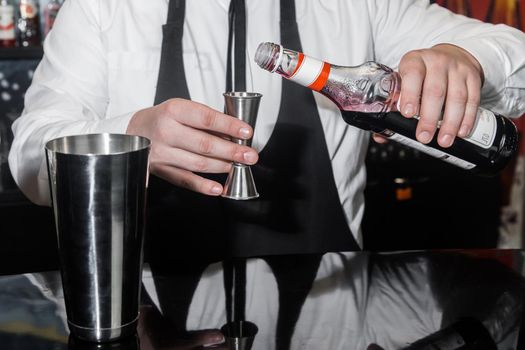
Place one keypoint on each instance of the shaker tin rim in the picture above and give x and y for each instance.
(59, 145)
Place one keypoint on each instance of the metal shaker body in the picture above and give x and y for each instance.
(98, 190)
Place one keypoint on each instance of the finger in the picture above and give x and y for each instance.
(191, 161)
(208, 145)
(412, 70)
(471, 109)
(379, 138)
(202, 117)
(432, 100)
(456, 101)
(188, 180)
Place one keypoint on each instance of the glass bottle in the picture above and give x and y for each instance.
(50, 13)
(368, 94)
(28, 24)
(7, 24)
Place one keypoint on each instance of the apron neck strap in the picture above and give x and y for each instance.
(289, 30)
(237, 39)
(176, 12)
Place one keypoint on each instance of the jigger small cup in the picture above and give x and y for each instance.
(240, 184)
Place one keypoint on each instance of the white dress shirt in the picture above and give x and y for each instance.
(102, 59)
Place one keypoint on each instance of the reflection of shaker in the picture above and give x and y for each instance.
(129, 343)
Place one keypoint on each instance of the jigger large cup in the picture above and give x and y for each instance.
(240, 184)
(98, 190)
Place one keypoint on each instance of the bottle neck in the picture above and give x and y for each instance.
(373, 87)
(302, 69)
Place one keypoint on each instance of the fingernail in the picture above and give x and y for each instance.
(409, 110)
(424, 137)
(250, 157)
(216, 189)
(446, 140)
(463, 131)
(245, 132)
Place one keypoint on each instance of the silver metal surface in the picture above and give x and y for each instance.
(240, 184)
(98, 190)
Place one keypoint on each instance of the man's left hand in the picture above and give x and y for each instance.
(444, 80)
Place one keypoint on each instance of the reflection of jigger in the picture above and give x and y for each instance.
(240, 184)
(239, 335)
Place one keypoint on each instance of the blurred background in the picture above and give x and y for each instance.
(412, 201)
(415, 202)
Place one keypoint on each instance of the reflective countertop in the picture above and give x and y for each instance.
(333, 301)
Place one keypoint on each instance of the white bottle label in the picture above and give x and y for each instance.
(430, 151)
(308, 71)
(484, 129)
(7, 24)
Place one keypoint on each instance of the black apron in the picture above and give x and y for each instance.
(298, 211)
(296, 219)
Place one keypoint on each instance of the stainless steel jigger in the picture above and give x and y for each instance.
(240, 184)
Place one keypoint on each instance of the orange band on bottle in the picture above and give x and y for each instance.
(7, 27)
(299, 64)
(321, 80)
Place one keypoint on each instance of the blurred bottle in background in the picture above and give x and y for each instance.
(28, 24)
(7, 24)
(50, 13)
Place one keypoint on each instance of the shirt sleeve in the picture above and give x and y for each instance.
(68, 96)
(404, 25)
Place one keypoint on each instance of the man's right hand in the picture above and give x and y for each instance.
(188, 137)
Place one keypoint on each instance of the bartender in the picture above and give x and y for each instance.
(158, 69)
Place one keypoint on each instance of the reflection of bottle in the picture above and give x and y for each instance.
(465, 334)
(7, 24)
(50, 13)
(368, 94)
(128, 343)
(28, 23)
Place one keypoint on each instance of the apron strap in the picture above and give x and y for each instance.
(235, 269)
(237, 29)
(289, 32)
(171, 72)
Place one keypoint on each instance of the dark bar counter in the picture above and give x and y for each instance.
(334, 301)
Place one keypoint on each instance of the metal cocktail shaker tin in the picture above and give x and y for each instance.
(98, 190)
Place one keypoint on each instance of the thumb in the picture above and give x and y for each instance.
(379, 138)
